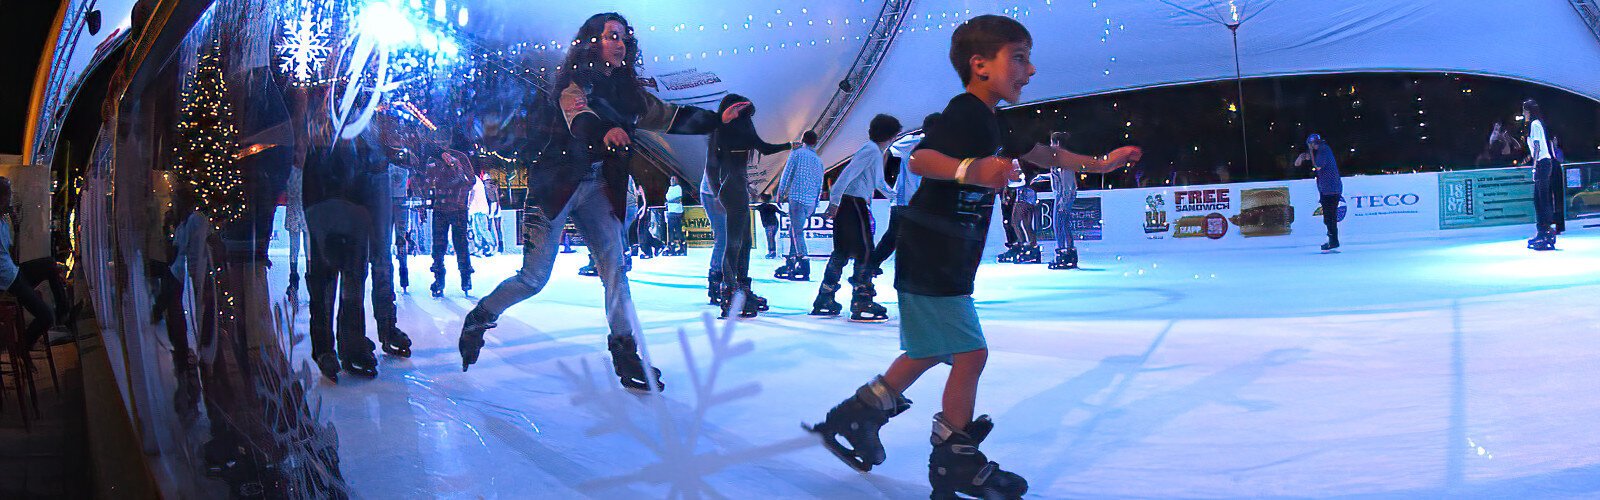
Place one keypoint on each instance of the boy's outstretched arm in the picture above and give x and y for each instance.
(1059, 157)
(991, 172)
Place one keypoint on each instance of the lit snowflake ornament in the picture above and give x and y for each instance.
(304, 48)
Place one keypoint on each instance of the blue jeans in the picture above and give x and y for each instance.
(719, 226)
(592, 212)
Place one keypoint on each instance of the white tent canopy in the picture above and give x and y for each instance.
(1172, 41)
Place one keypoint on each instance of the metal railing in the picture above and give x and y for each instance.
(51, 112)
(883, 33)
(1589, 10)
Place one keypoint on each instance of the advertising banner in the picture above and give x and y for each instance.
(697, 227)
(1483, 198)
(1264, 212)
(1583, 191)
(1201, 213)
(1087, 218)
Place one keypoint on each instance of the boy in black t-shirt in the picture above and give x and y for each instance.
(963, 162)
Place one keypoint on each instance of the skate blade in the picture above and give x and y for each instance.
(843, 454)
(638, 387)
(1335, 250)
(869, 320)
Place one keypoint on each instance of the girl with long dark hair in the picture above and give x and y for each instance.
(579, 169)
(1545, 178)
(727, 162)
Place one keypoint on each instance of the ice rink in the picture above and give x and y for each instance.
(1429, 367)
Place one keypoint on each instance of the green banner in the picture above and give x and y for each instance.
(1483, 198)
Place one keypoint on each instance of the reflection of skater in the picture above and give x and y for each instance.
(451, 181)
(733, 147)
(940, 249)
(1545, 178)
(848, 201)
(800, 187)
(582, 175)
(294, 226)
(1329, 187)
(905, 186)
(482, 242)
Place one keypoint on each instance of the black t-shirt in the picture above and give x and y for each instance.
(946, 224)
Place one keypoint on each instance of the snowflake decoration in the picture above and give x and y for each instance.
(680, 463)
(304, 49)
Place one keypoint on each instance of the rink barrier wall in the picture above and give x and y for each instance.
(1237, 215)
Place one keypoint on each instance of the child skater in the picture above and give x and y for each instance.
(962, 162)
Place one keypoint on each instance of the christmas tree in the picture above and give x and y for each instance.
(208, 142)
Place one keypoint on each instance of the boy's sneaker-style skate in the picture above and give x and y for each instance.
(858, 419)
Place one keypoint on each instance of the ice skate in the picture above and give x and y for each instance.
(437, 288)
(758, 302)
(824, 305)
(365, 366)
(1543, 243)
(466, 283)
(863, 309)
(394, 341)
(588, 270)
(714, 287)
(858, 419)
(630, 369)
(473, 327)
(1028, 255)
(328, 364)
(801, 270)
(956, 465)
(1010, 255)
(1330, 247)
(1066, 258)
(787, 269)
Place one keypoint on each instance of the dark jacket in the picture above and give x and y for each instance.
(728, 155)
(450, 186)
(570, 132)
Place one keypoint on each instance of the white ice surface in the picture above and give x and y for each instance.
(1440, 367)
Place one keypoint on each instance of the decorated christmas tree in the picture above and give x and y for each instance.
(208, 142)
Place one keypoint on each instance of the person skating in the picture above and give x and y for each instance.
(341, 188)
(730, 154)
(583, 175)
(852, 226)
(905, 186)
(1025, 202)
(1329, 188)
(770, 215)
(940, 249)
(800, 187)
(1544, 197)
(1064, 183)
(675, 243)
(451, 182)
(480, 239)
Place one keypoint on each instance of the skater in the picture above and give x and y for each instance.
(800, 187)
(399, 192)
(905, 186)
(582, 175)
(491, 187)
(848, 200)
(1022, 210)
(940, 249)
(482, 242)
(339, 183)
(451, 182)
(770, 215)
(1545, 178)
(732, 149)
(1064, 183)
(675, 243)
(1329, 186)
(717, 216)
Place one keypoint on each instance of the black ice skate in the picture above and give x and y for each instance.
(956, 465)
(863, 309)
(801, 270)
(588, 270)
(1028, 255)
(630, 369)
(437, 288)
(825, 305)
(858, 419)
(466, 283)
(1010, 255)
(1543, 243)
(1066, 258)
(787, 269)
(366, 366)
(1331, 246)
(476, 323)
(714, 287)
(747, 308)
(394, 341)
(750, 297)
(328, 364)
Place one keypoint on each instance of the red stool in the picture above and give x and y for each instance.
(21, 370)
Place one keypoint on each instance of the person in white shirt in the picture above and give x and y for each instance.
(675, 245)
(478, 209)
(1544, 178)
(848, 201)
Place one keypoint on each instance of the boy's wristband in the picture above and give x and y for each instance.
(961, 170)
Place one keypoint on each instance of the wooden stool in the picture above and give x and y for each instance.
(21, 370)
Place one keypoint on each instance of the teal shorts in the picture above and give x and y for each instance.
(938, 327)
